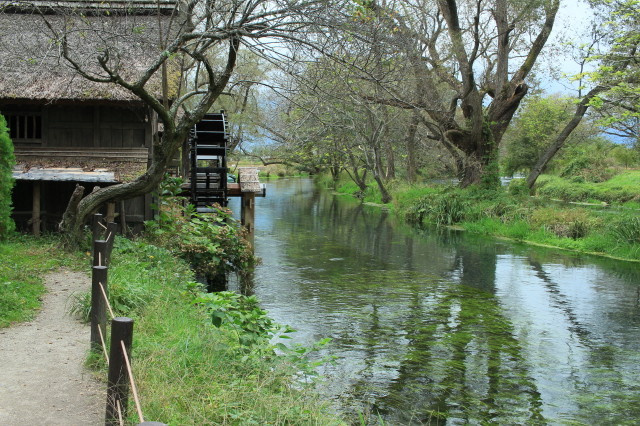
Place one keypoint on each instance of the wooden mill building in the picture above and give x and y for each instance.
(65, 128)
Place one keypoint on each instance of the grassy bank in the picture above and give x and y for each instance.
(621, 190)
(188, 370)
(23, 262)
(603, 230)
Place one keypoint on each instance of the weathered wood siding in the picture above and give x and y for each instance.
(97, 126)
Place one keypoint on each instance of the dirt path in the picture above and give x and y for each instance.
(42, 377)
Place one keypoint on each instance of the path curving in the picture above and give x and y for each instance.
(43, 380)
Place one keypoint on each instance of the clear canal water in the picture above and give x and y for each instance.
(442, 327)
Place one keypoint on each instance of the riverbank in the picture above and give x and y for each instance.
(594, 227)
(187, 369)
(44, 380)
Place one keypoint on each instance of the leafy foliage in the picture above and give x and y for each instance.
(213, 243)
(242, 314)
(589, 162)
(7, 161)
(535, 127)
(617, 66)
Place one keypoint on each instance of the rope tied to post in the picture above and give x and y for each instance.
(131, 381)
(106, 300)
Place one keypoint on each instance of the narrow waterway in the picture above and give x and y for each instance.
(436, 327)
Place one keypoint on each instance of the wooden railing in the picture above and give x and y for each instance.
(120, 380)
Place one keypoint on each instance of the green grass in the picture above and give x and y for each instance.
(189, 372)
(24, 261)
(623, 188)
(514, 215)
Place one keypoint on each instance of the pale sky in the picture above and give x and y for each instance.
(572, 21)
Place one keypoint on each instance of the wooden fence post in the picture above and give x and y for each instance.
(118, 380)
(98, 313)
(35, 211)
(112, 228)
(96, 229)
(111, 211)
(248, 215)
(100, 253)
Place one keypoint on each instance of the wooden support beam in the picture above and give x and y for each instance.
(35, 211)
(248, 215)
(123, 219)
(111, 212)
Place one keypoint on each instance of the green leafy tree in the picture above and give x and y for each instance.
(615, 91)
(7, 161)
(467, 64)
(535, 125)
(535, 130)
(618, 67)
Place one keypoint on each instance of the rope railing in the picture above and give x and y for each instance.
(104, 347)
(118, 356)
(106, 300)
(119, 409)
(132, 382)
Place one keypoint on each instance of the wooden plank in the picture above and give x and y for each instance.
(35, 213)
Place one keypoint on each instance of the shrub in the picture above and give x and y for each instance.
(212, 243)
(568, 223)
(446, 208)
(518, 188)
(242, 314)
(7, 161)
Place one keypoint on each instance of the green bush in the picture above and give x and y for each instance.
(242, 314)
(7, 161)
(445, 208)
(518, 188)
(567, 223)
(212, 243)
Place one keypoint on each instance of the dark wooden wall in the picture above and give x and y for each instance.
(96, 126)
(75, 126)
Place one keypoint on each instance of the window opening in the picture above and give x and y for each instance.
(25, 127)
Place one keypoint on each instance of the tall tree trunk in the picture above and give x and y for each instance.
(78, 210)
(412, 166)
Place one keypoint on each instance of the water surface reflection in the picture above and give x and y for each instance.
(442, 327)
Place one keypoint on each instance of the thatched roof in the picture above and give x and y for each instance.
(140, 7)
(31, 62)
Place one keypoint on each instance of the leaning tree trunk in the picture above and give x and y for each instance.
(551, 151)
(79, 209)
